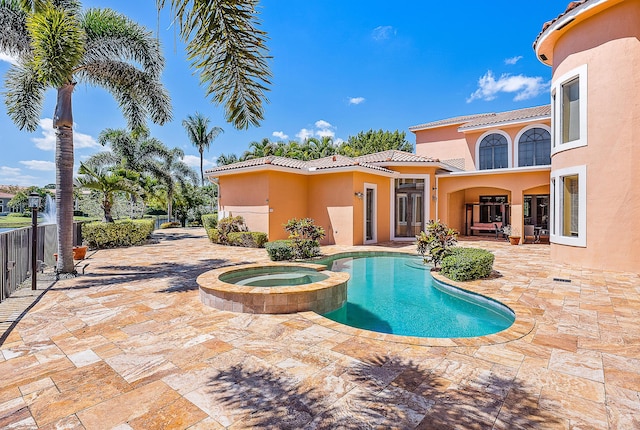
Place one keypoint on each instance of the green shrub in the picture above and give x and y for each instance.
(210, 220)
(279, 250)
(437, 242)
(213, 235)
(304, 236)
(121, 233)
(171, 224)
(465, 264)
(247, 239)
(20, 215)
(229, 225)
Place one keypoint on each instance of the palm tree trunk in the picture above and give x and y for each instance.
(201, 162)
(63, 123)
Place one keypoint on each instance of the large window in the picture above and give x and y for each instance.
(569, 109)
(568, 187)
(534, 148)
(493, 152)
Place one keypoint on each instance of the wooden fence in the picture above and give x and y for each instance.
(15, 253)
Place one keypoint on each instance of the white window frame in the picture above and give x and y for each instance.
(414, 210)
(426, 210)
(579, 73)
(374, 221)
(556, 206)
(509, 148)
(516, 143)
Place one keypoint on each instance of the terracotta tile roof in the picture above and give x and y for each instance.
(326, 163)
(510, 116)
(6, 195)
(449, 121)
(395, 156)
(570, 7)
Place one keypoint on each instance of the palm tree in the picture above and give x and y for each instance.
(200, 136)
(176, 172)
(320, 148)
(225, 159)
(57, 46)
(105, 181)
(225, 44)
(260, 149)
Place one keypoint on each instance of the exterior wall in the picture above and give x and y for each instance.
(455, 190)
(383, 207)
(244, 195)
(608, 43)
(331, 204)
(444, 143)
(288, 198)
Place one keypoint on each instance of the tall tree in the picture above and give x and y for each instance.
(225, 43)
(225, 159)
(260, 149)
(57, 46)
(106, 181)
(200, 135)
(374, 141)
(176, 173)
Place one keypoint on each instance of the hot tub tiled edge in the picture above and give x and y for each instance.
(321, 297)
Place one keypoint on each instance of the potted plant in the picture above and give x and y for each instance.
(513, 233)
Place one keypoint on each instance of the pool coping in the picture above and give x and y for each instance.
(523, 324)
(321, 296)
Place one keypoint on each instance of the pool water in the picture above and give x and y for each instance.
(275, 279)
(396, 294)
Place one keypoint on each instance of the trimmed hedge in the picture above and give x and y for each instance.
(213, 234)
(279, 250)
(248, 239)
(465, 264)
(120, 233)
(209, 220)
(172, 224)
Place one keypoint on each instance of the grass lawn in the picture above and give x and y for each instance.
(18, 221)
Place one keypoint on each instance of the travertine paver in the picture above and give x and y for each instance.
(130, 345)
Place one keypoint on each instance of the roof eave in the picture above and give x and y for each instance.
(507, 171)
(505, 123)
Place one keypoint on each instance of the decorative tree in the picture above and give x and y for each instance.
(436, 242)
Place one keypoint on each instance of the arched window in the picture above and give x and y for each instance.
(494, 152)
(534, 148)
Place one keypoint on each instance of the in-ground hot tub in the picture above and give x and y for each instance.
(274, 288)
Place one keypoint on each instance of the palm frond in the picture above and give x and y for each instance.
(57, 41)
(14, 37)
(226, 45)
(138, 93)
(24, 97)
(113, 36)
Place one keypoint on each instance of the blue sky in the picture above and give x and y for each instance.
(339, 67)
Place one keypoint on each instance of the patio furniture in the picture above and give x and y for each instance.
(530, 233)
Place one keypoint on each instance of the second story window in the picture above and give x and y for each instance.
(534, 148)
(493, 152)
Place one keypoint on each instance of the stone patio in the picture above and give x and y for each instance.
(128, 345)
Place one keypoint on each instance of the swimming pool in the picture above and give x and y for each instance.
(397, 295)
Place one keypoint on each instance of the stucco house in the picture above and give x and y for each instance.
(568, 170)
(5, 198)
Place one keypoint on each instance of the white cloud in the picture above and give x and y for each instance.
(322, 124)
(14, 176)
(513, 60)
(524, 87)
(45, 166)
(48, 140)
(280, 135)
(8, 58)
(194, 161)
(304, 134)
(356, 100)
(383, 32)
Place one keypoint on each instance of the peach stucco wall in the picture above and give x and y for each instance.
(331, 200)
(288, 198)
(608, 43)
(444, 143)
(245, 195)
